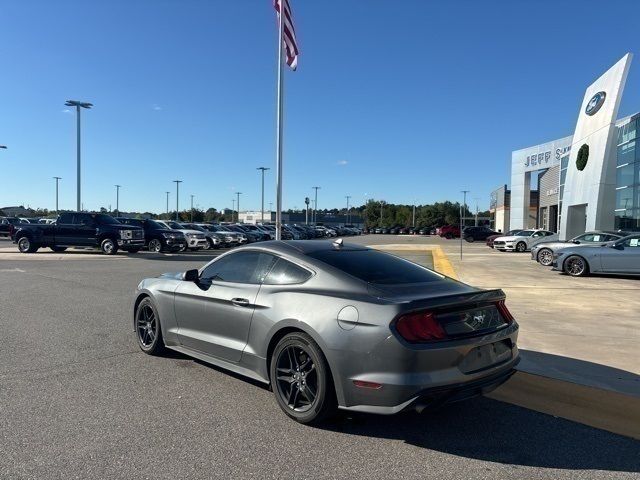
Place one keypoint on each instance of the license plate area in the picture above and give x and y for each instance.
(486, 356)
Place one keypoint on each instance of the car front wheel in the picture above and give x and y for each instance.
(148, 329)
(26, 246)
(576, 266)
(155, 245)
(521, 247)
(109, 246)
(301, 379)
(545, 257)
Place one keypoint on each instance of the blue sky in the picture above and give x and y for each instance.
(406, 100)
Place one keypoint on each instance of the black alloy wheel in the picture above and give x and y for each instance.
(148, 330)
(576, 266)
(155, 245)
(301, 379)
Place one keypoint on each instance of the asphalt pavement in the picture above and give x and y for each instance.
(79, 400)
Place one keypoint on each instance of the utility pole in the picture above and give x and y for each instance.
(476, 222)
(78, 105)
(118, 199)
(348, 197)
(315, 206)
(238, 206)
(177, 182)
(463, 209)
(263, 169)
(57, 179)
(192, 207)
(167, 202)
(233, 207)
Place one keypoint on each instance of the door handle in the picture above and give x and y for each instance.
(240, 302)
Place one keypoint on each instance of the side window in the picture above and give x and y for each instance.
(241, 267)
(82, 219)
(537, 234)
(66, 218)
(610, 238)
(633, 242)
(286, 273)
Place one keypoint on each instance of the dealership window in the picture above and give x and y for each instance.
(627, 153)
(628, 220)
(627, 132)
(624, 198)
(626, 175)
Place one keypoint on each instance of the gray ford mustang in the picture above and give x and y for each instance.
(332, 326)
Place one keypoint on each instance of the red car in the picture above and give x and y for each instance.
(448, 231)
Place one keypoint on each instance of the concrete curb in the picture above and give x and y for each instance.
(604, 409)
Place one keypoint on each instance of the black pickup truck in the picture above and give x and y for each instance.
(80, 230)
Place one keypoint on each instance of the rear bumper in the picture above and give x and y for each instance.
(415, 378)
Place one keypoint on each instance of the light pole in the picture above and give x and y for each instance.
(78, 105)
(315, 206)
(233, 207)
(263, 169)
(192, 207)
(57, 180)
(348, 197)
(167, 202)
(238, 206)
(462, 212)
(118, 198)
(177, 182)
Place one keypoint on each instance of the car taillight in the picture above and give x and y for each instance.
(420, 327)
(504, 311)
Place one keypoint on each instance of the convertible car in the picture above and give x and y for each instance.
(330, 325)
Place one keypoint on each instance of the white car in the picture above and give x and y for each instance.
(195, 238)
(524, 240)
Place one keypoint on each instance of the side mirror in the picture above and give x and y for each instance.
(191, 275)
(617, 246)
(577, 242)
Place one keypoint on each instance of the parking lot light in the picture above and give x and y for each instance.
(78, 105)
(238, 207)
(177, 182)
(57, 179)
(118, 198)
(315, 207)
(263, 169)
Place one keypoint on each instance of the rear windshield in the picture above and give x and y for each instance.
(376, 267)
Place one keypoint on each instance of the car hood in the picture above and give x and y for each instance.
(554, 244)
(123, 227)
(172, 275)
(187, 230)
(511, 238)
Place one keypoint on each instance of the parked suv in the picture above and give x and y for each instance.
(79, 229)
(157, 238)
(195, 238)
(471, 234)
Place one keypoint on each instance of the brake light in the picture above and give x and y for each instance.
(504, 311)
(420, 327)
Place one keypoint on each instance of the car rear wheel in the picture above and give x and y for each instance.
(576, 266)
(155, 245)
(109, 246)
(521, 247)
(148, 331)
(301, 379)
(545, 257)
(26, 246)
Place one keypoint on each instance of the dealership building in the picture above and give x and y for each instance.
(587, 181)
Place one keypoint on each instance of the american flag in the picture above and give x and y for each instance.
(288, 34)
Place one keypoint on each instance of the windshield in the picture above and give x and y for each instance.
(153, 225)
(174, 225)
(376, 267)
(524, 233)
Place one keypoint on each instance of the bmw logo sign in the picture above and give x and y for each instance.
(595, 103)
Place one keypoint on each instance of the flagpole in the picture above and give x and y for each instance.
(279, 123)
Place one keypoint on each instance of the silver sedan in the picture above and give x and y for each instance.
(543, 252)
(619, 257)
(332, 326)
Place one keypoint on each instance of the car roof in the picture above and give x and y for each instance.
(303, 247)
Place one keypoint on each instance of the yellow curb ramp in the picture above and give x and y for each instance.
(604, 409)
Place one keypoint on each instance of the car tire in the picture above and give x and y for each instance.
(469, 239)
(521, 247)
(298, 367)
(108, 246)
(58, 249)
(576, 266)
(210, 245)
(148, 328)
(27, 246)
(155, 245)
(545, 257)
(182, 248)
